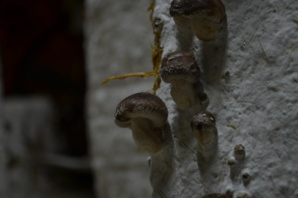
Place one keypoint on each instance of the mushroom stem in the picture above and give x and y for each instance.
(213, 55)
(162, 165)
(146, 138)
(185, 39)
(204, 129)
(234, 168)
(184, 94)
(207, 143)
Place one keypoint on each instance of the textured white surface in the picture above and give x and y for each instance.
(254, 101)
(253, 94)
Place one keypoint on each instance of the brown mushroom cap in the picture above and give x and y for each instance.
(191, 7)
(204, 128)
(202, 120)
(239, 149)
(141, 105)
(204, 17)
(179, 66)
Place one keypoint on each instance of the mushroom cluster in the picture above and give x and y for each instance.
(147, 115)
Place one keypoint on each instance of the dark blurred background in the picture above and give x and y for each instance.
(41, 50)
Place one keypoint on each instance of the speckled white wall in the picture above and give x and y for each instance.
(251, 82)
(118, 41)
(254, 101)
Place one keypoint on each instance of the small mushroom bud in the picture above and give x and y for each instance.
(214, 195)
(246, 177)
(229, 192)
(182, 71)
(239, 152)
(234, 168)
(206, 16)
(231, 162)
(204, 129)
(146, 115)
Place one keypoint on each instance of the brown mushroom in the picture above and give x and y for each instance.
(246, 176)
(205, 17)
(239, 152)
(146, 115)
(204, 128)
(177, 11)
(181, 70)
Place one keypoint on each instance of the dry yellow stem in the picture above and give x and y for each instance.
(138, 74)
(156, 59)
(157, 49)
(151, 8)
(156, 55)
